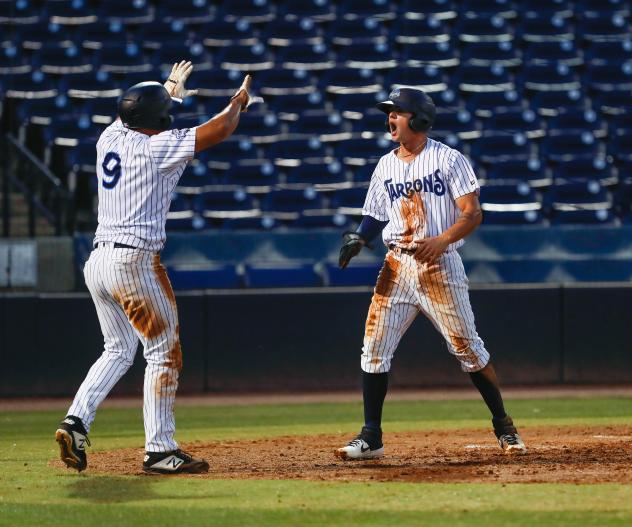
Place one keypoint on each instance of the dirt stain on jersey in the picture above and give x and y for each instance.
(142, 315)
(414, 217)
(462, 349)
(163, 279)
(381, 296)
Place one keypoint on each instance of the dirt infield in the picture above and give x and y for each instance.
(556, 455)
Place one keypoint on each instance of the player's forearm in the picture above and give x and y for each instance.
(220, 127)
(464, 225)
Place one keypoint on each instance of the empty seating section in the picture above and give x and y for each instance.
(536, 93)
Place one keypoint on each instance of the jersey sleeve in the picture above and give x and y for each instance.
(375, 203)
(172, 148)
(461, 177)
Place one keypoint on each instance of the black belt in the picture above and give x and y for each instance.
(117, 245)
(393, 247)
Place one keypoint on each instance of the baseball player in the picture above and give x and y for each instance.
(139, 162)
(423, 197)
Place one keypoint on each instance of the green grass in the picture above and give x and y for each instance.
(33, 493)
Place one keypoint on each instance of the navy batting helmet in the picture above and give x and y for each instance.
(415, 101)
(146, 105)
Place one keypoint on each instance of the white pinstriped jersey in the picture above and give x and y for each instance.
(137, 174)
(418, 198)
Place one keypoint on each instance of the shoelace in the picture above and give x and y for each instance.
(510, 439)
(182, 454)
(356, 442)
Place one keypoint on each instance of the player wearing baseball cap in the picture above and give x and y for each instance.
(139, 162)
(423, 198)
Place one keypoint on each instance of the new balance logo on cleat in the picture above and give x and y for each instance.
(176, 462)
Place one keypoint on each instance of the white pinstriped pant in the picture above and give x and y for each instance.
(134, 300)
(406, 287)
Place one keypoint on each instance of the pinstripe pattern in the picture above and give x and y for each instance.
(418, 201)
(134, 300)
(134, 210)
(130, 289)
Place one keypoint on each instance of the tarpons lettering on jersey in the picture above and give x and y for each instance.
(431, 183)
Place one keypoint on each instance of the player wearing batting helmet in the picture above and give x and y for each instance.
(423, 198)
(139, 162)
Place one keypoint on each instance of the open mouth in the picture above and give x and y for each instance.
(393, 128)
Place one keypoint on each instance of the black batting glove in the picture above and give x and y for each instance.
(351, 246)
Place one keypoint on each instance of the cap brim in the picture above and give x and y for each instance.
(385, 106)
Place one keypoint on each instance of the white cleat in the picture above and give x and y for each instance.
(365, 446)
(512, 444)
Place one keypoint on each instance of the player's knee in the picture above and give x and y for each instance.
(124, 357)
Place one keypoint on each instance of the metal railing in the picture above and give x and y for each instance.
(45, 194)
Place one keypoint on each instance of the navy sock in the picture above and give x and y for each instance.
(487, 384)
(374, 387)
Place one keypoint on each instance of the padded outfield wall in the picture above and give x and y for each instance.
(274, 340)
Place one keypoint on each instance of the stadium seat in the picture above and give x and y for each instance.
(510, 203)
(495, 147)
(288, 203)
(482, 29)
(356, 31)
(407, 31)
(246, 11)
(349, 202)
(545, 28)
(256, 176)
(358, 273)
(604, 27)
(569, 145)
(488, 54)
(438, 54)
(553, 53)
(580, 170)
(438, 9)
(320, 11)
(460, 122)
(476, 79)
(524, 121)
(184, 12)
(532, 172)
(309, 57)
(579, 202)
(209, 275)
(281, 274)
(323, 174)
(245, 58)
(283, 33)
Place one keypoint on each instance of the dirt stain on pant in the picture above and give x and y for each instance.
(432, 280)
(383, 289)
(414, 216)
(141, 315)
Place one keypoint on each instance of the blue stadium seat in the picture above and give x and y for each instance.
(181, 216)
(460, 122)
(621, 147)
(283, 33)
(484, 104)
(310, 57)
(476, 79)
(295, 103)
(569, 145)
(319, 11)
(556, 77)
(545, 28)
(285, 82)
(122, 58)
(343, 80)
(361, 9)
(613, 103)
(545, 9)
(584, 170)
(439, 54)
(246, 11)
(428, 78)
(245, 58)
(370, 120)
(358, 273)
(225, 202)
(358, 102)
(95, 36)
(608, 52)
(439, 9)
(552, 53)
(256, 176)
(322, 218)
(296, 149)
(19, 13)
(495, 147)
(195, 178)
(358, 152)
(220, 34)
(431, 29)
(287, 203)
(70, 13)
(349, 201)
(172, 51)
(510, 203)
(127, 13)
(487, 54)
(281, 274)
(372, 56)
(577, 121)
(356, 31)
(261, 125)
(210, 275)
(579, 202)
(186, 11)
(318, 122)
(322, 174)
(260, 222)
(233, 149)
(604, 27)
(531, 172)
(591, 8)
(609, 77)
(488, 8)
(482, 29)
(62, 59)
(551, 103)
(13, 62)
(524, 121)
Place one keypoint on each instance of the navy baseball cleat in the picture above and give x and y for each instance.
(174, 462)
(508, 437)
(367, 445)
(72, 438)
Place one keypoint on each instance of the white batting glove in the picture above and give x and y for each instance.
(245, 89)
(178, 76)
